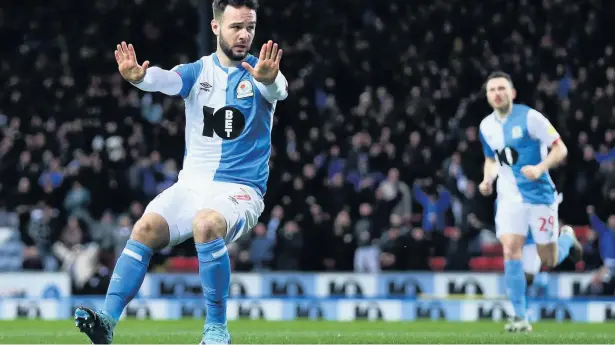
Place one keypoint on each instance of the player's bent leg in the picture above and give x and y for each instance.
(548, 253)
(210, 228)
(568, 246)
(151, 232)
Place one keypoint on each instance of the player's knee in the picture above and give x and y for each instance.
(208, 226)
(152, 231)
(548, 254)
(512, 252)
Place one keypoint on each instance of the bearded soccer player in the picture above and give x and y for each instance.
(515, 141)
(230, 97)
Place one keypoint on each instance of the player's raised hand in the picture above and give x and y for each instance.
(532, 172)
(127, 63)
(266, 70)
(486, 187)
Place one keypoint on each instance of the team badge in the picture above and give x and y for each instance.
(244, 89)
(516, 132)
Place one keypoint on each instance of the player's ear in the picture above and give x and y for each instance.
(215, 27)
(514, 93)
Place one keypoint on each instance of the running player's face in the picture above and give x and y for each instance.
(499, 93)
(237, 31)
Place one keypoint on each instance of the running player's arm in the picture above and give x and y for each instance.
(276, 91)
(178, 81)
(490, 168)
(540, 128)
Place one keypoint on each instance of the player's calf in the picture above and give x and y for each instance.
(514, 275)
(149, 233)
(209, 228)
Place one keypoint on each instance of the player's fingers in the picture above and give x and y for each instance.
(274, 51)
(261, 56)
(131, 52)
(278, 58)
(145, 65)
(248, 67)
(269, 48)
(118, 58)
(124, 48)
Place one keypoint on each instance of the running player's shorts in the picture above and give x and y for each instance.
(515, 217)
(530, 259)
(239, 205)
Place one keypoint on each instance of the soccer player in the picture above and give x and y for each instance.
(230, 97)
(515, 140)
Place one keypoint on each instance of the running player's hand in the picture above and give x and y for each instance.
(266, 70)
(532, 172)
(127, 63)
(486, 187)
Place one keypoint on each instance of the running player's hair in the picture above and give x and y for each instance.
(219, 6)
(499, 74)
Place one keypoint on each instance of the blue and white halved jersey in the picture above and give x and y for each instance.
(521, 139)
(229, 116)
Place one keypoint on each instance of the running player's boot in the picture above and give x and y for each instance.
(216, 334)
(97, 325)
(576, 251)
(518, 324)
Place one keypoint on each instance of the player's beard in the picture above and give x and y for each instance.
(228, 51)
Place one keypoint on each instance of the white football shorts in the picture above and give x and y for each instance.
(515, 217)
(240, 205)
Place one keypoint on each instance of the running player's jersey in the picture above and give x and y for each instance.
(229, 117)
(520, 139)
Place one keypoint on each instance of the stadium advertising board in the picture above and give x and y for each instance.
(35, 285)
(349, 285)
(318, 308)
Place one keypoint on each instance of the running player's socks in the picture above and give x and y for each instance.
(127, 277)
(215, 272)
(564, 242)
(516, 286)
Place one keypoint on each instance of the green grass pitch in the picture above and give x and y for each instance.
(313, 332)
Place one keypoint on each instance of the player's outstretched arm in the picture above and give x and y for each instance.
(152, 79)
(270, 81)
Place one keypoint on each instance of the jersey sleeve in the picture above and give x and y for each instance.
(190, 74)
(486, 148)
(277, 91)
(539, 127)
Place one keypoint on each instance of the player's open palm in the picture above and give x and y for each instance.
(127, 63)
(266, 70)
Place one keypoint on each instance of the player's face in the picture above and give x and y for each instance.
(236, 32)
(500, 93)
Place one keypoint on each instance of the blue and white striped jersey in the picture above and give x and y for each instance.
(229, 116)
(521, 139)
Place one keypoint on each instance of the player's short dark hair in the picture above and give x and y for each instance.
(219, 6)
(499, 74)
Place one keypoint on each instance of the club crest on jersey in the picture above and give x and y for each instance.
(244, 89)
(516, 132)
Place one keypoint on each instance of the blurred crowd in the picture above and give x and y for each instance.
(376, 157)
